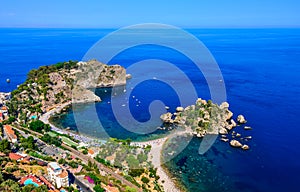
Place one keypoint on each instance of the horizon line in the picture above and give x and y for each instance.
(221, 27)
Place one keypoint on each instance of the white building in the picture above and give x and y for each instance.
(58, 176)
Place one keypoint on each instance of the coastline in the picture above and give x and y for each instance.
(154, 154)
(155, 157)
(57, 109)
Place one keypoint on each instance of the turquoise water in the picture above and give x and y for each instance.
(30, 182)
(261, 70)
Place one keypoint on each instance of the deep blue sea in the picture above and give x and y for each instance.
(261, 70)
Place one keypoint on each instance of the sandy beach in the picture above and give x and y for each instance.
(154, 155)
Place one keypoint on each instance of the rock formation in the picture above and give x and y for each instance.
(241, 119)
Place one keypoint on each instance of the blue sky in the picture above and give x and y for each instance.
(118, 13)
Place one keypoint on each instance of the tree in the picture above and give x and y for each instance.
(85, 151)
(1, 178)
(145, 180)
(62, 161)
(142, 157)
(132, 162)
(136, 172)
(98, 188)
(10, 120)
(41, 188)
(28, 188)
(51, 140)
(128, 141)
(9, 185)
(209, 103)
(28, 143)
(39, 126)
(4, 146)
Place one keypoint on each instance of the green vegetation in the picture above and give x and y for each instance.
(10, 185)
(39, 126)
(4, 146)
(28, 143)
(132, 180)
(67, 139)
(129, 189)
(98, 188)
(10, 120)
(62, 161)
(136, 172)
(51, 140)
(145, 180)
(40, 156)
(28, 97)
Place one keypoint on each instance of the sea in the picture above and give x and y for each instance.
(260, 69)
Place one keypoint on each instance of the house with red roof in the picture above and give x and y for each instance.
(15, 156)
(10, 133)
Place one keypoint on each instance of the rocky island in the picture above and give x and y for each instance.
(207, 118)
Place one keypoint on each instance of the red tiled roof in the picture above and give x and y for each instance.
(90, 151)
(10, 132)
(4, 108)
(49, 185)
(26, 159)
(15, 156)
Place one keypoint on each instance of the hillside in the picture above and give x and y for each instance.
(70, 81)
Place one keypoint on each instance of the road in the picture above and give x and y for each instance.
(87, 158)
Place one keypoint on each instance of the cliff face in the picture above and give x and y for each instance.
(49, 86)
(95, 74)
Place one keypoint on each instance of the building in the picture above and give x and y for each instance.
(4, 110)
(4, 97)
(58, 176)
(10, 133)
(15, 156)
(3, 113)
(91, 153)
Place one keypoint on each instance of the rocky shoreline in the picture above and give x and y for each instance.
(207, 118)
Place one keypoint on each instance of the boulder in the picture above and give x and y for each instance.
(128, 76)
(241, 119)
(235, 143)
(224, 139)
(223, 131)
(167, 108)
(179, 109)
(245, 147)
(229, 115)
(166, 118)
(248, 137)
(224, 105)
(233, 123)
(177, 119)
(238, 135)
